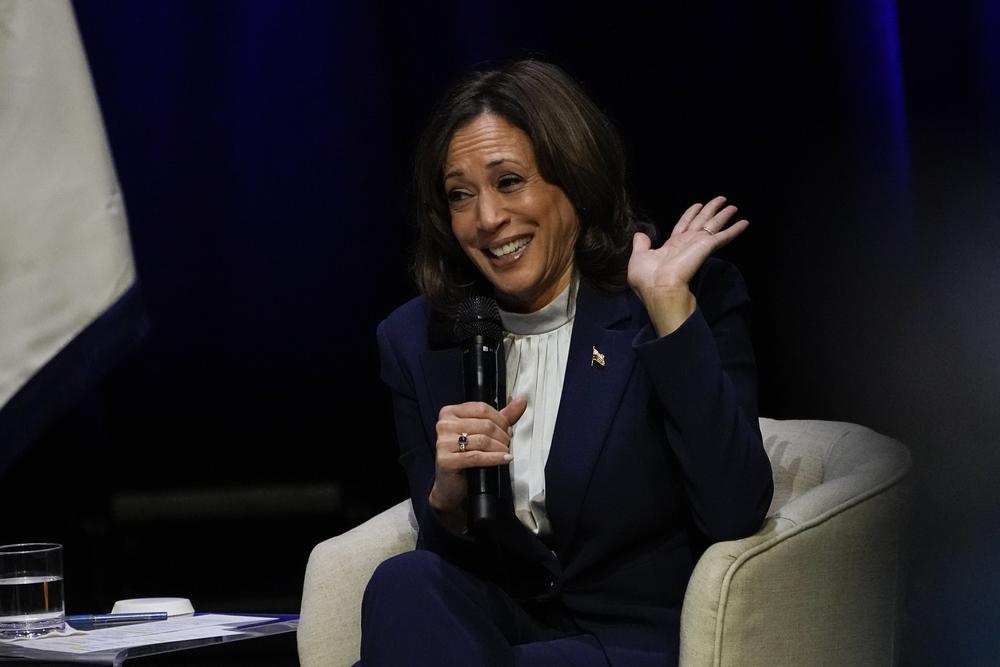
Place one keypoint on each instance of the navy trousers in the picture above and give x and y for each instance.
(419, 609)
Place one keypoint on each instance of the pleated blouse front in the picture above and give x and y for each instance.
(536, 347)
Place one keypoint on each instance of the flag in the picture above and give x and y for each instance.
(68, 301)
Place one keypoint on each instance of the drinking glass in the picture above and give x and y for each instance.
(31, 589)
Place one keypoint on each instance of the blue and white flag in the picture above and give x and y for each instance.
(68, 305)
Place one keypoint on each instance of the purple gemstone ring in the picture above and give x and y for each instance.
(463, 440)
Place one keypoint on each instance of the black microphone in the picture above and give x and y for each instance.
(479, 331)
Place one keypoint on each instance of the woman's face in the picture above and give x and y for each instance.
(518, 229)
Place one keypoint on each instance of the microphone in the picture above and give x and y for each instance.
(480, 333)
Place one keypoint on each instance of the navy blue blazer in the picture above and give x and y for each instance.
(654, 455)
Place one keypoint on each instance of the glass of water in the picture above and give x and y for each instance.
(31, 589)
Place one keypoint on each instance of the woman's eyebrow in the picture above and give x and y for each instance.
(493, 164)
(500, 161)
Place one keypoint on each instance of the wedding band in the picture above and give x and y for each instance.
(463, 440)
(710, 232)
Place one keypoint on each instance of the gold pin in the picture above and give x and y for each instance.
(596, 357)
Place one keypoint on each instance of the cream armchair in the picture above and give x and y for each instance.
(819, 584)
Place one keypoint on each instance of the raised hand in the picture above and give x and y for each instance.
(660, 276)
(469, 435)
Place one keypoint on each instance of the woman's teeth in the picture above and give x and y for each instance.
(508, 248)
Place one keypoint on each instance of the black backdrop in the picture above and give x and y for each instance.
(264, 151)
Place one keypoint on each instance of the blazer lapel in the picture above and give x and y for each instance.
(591, 395)
(443, 374)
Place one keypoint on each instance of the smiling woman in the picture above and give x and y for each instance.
(633, 440)
(572, 147)
(518, 229)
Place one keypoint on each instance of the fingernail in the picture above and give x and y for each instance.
(508, 457)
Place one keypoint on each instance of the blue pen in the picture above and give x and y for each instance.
(114, 619)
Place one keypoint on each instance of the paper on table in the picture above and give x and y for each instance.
(175, 629)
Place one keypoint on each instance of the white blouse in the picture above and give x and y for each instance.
(536, 347)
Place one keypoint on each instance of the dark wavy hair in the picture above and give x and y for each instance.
(576, 148)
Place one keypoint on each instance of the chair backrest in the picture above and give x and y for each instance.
(805, 454)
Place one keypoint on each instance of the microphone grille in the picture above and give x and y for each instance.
(478, 315)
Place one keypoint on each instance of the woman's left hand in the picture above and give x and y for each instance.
(660, 276)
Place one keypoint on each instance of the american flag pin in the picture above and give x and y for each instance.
(596, 357)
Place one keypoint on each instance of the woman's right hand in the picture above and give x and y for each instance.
(488, 444)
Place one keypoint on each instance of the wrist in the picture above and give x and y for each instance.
(664, 293)
(452, 518)
(668, 307)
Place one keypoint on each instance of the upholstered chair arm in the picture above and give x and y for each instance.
(820, 583)
(338, 570)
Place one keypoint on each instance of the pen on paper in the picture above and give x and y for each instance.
(114, 619)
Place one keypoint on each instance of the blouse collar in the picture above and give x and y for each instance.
(558, 312)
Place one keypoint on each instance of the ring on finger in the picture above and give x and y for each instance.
(710, 232)
(463, 441)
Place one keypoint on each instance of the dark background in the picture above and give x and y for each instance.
(264, 151)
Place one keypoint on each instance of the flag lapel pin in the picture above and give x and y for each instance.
(596, 357)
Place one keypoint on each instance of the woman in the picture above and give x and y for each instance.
(632, 439)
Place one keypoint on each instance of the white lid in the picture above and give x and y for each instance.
(173, 606)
